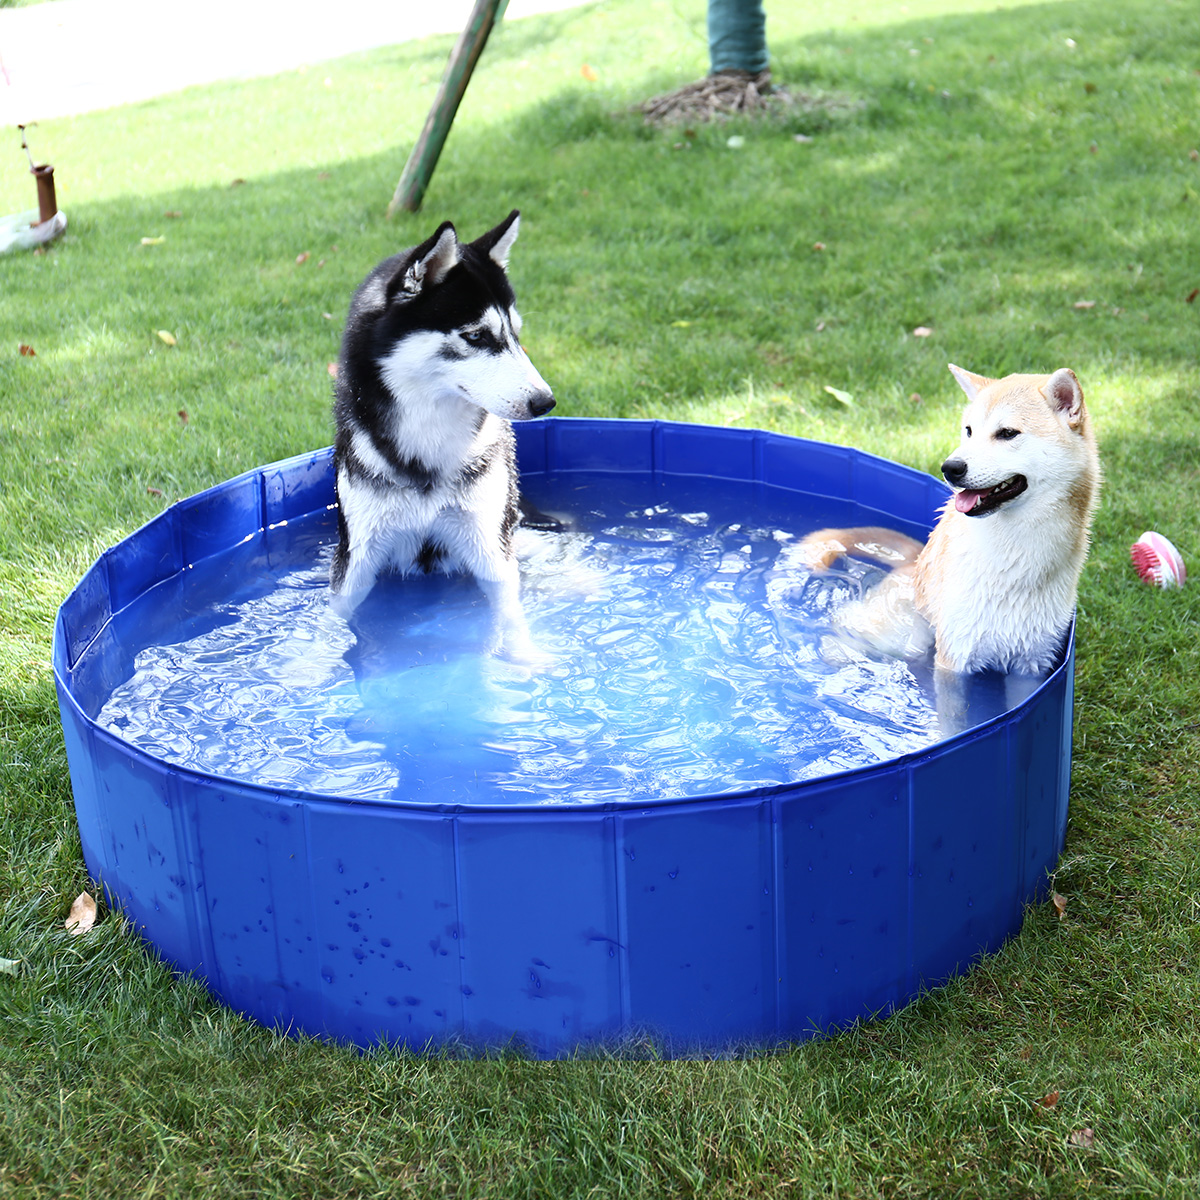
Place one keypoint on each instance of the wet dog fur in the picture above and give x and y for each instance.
(430, 376)
(994, 587)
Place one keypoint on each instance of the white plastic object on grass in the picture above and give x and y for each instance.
(22, 232)
(1157, 561)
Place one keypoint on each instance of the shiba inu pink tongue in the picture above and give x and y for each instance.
(966, 500)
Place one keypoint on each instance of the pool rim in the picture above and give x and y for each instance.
(576, 809)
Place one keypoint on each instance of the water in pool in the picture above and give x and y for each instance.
(682, 661)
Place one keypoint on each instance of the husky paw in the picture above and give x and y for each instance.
(520, 650)
(344, 604)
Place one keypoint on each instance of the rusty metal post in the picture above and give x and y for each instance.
(47, 201)
(44, 174)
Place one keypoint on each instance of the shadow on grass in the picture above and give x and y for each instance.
(663, 274)
(975, 202)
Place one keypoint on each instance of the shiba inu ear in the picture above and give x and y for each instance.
(497, 243)
(1064, 395)
(430, 265)
(970, 383)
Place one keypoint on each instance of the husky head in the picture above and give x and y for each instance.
(440, 326)
(1023, 435)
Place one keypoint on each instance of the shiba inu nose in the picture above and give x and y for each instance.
(540, 404)
(955, 470)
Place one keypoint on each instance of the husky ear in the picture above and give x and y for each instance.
(1064, 395)
(497, 243)
(431, 263)
(970, 383)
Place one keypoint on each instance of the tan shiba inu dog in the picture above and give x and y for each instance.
(995, 585)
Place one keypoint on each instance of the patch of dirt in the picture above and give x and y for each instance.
(735, 94)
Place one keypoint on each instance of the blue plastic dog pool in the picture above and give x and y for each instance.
(706, 922)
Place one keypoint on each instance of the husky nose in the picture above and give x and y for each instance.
(955, 470)
(540, 404)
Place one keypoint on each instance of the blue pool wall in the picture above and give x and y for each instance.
(705, 923)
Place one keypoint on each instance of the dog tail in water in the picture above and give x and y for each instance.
(533, 517)
(822, 548)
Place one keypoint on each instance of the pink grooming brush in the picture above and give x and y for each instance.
(1157, 561)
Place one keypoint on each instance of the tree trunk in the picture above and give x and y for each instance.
(737, 36)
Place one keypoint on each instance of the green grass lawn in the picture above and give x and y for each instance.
(985, 172)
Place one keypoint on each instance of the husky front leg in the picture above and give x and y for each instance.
(510, 635)
(355, 569)
(363, 553)
(478, 539)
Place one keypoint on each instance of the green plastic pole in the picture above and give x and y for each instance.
(418, 171)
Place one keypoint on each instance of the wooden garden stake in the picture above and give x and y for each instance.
(418, 171)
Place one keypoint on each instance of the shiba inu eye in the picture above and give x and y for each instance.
(1007, 435)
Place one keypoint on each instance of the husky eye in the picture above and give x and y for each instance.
(1007, 435)
(474, 336)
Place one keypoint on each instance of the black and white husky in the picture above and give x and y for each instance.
(430, 376)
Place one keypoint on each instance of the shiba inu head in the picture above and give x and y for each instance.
(439, 326)
(1023, 436)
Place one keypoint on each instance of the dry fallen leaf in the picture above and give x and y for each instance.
(841, 397)
(1060, 904)
(818, 246)
(82, 915)
(27, 351)
(914, 398)
(153, 241)
(153, 491)
(820, 326)
(172, 213)
(8, 966)
(1049, 1100)
(1085, 1139)
(1085, 304)
(1192, 295)
(183, 415)
(922, 331)
(588, 72)
(1026, 1053)
(166, 336)
(302, 257)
